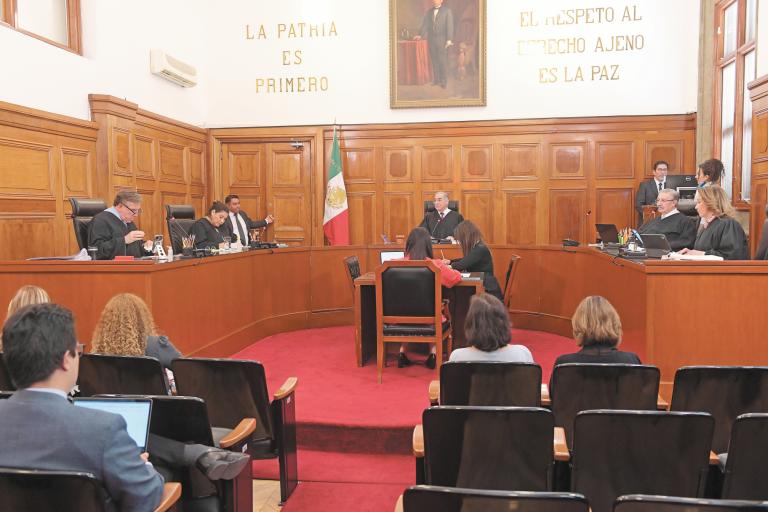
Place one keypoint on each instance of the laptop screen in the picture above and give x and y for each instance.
(608, 233)
(135, 411)
(391, 255)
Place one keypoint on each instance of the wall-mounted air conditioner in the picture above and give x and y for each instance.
(178, 72)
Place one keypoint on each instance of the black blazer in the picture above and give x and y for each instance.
(646, 194)
(441, 228)
(249, 224)
(107, 233)
(479, 259)
(206, 235)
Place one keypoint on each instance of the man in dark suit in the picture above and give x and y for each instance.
(437, 29)
(442, 221)
(649, 189)
(238, 223)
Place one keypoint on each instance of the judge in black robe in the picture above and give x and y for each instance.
(209, 231)
(721, 234)
(679, 229)
(109, 229)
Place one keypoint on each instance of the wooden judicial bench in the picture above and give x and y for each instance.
(673, 313)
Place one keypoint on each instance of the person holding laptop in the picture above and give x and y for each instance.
(679, 229)
(441, 222)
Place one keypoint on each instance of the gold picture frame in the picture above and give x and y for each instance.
(425, 68)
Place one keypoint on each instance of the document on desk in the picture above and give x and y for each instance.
(472, 276)
(692, 257)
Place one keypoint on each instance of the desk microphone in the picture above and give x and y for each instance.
(173, 222)
(439, 220)
(639, 238)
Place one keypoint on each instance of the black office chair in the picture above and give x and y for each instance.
(6, 384)
(429, 498)
(63, 491)
(352, 267)
(124, 375)
(746, 464)
(649, 452)
(236, 391)
(725, 392)
(489, 383)
(429, 206)
(501, 448)
(180, 218)
(649, 503)
(579, 387)
(83, 211)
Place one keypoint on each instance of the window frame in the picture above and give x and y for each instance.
(9, 18)
(737, 56)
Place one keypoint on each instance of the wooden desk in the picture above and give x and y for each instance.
(365, 312)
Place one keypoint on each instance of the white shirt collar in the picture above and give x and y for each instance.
(670, 213)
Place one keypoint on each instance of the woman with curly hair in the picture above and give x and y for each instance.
(126, 328)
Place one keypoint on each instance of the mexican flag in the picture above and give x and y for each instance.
(336, 218)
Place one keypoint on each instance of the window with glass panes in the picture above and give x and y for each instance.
(54, 21)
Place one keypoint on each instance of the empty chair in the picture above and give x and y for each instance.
(235, 391)
(63, 491)
(725, 392)
(502, 448)
(123, 375)
(579, 387)
(180, 218)
(83, 211)
(647, 452)
(646, 503)
(746, 467)
(428, 498)
(514, 264)
(489, 383)
(6, 384)
(352, 268)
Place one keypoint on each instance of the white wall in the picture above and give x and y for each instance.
(762, 39)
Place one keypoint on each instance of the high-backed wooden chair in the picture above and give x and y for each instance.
(409, 307)
(83, 210)
(123, 375)
(64, 491)
(514, 263)
(352, 271)
(428, 498)
(650, 503)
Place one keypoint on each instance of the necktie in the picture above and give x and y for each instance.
(240, 229)
(660, 185)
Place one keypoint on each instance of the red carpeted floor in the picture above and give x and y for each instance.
(354, 434)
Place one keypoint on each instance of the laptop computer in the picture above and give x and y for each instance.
(136, 412)
(392, 255)
(656, 245)
(608, 233)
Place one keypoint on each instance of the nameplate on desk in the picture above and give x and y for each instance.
(124, 258)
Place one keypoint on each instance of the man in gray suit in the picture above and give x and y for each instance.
(437, 29)
(41, 430)
(649, 189)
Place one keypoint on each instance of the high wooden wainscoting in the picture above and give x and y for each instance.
(44, 160)
(759, 95)
(165, 160)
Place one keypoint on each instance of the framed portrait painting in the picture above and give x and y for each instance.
(437, 53)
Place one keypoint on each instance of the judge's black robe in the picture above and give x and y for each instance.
(107, 233)
(479, 260)
(679, 229)
(441, 228)
(206, 235)
(723, 237)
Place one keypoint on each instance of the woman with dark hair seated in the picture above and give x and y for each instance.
(597, 330)
(418, 246)
(487, 328)
(477, 257)
(208, 230)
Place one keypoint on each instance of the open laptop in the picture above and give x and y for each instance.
(608, 233)
(655, 245)
(136, 412)
(392, 255)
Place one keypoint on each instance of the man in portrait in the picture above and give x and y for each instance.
(437, 29)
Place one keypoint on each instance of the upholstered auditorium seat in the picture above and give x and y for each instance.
(236, 392)
(487, 383)
(124, 375)
(179, 218)
(424, 498)
(63, 491)
(644, 452)
(646, 503)
(83, 211)
(746, 464)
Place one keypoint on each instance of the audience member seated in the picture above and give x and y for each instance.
(113, 232)
(210, 231)
(679, 229)
(418, 246)
(720, 234)
(487, 328)
(26, 296)
(597, 330)
(477, 257)
(42, 430)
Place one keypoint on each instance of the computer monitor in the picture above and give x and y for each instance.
(675, 181)
(392, 255)
(656, 245)
(608, 233)
(687, 193)
(136, 412)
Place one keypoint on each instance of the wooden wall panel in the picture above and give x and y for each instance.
(759, 193)
(615, 160)
(520, 161)
(567, 218)
(613, 206)
(520, 218)
(362, 205)
(398, 218)
(477, 205)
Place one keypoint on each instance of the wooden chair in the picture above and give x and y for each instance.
(746, 464)
(352, 271)
(648, 503)
(64, 491)
(428, 498)
(514, 263)
(122, 375)
(409, 307)
(648, 452)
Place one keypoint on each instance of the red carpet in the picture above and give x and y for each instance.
(317, 496)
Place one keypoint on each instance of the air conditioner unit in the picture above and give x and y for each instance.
(174, 70)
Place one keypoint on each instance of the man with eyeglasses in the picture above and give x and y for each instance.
(679, 229)
(113, 232)
(649, 189)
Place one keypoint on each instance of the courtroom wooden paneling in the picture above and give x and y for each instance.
(161, 158)
(759, 96)
(44, 160)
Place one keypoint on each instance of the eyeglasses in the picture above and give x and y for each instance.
(664, 200)
(137, 211)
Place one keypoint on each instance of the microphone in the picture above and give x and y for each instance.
(639, 238)
(439, 220)
(174, 223)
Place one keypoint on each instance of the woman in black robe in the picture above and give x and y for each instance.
(721, 235)
(209, 230)
(477, 257)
